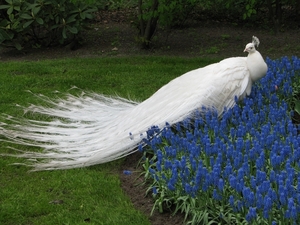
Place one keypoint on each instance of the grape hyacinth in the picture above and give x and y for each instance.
(245, 163)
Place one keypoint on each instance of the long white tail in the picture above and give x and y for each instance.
(85, 130)
(91, 129)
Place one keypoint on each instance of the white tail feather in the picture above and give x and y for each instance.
(80, 127)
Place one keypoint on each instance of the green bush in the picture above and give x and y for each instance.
(42, 22)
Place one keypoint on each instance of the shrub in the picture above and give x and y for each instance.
(42, 22)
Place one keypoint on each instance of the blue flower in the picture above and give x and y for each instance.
(267, 203)
(254, 148)
(232, 181)
(171, 186)
(251, 215)
(216, 195)
(221, 184)
(127, 172)
(154, 190)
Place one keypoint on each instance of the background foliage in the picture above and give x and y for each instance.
(38, 23)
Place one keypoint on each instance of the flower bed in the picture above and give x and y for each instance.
(239, 169)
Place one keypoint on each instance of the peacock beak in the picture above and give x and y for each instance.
(246, 50)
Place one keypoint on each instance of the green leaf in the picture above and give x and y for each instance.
(74, 11)
(11, 17)
(64, 33)
(18, 46)
(30, 6)
(15, 26)
(73, 30)
(2, 39)
(27, 23)
(17, 8)
(62, 9)
(4, 6)
(6, 35)
(25, 16)
(71, 19)
(48, 2)
(36, 10)
(54, 26)
(57, 19)
(3, 23)
(10, 10)
(82, 15)
(89, 16)
(9, 2)
(297, 107)
(91, 10)
(51, 16)
(40, 21)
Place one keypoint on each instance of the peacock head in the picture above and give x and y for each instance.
(250, 48)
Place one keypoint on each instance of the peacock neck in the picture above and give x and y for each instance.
(256, 65)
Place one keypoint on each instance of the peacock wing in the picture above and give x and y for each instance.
(231, 80)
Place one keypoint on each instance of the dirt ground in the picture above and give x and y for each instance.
(113, 34)
(212, 39)
(133, 186)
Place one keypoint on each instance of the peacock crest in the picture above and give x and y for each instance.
(255, 41)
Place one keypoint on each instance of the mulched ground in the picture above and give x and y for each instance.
(133, 186)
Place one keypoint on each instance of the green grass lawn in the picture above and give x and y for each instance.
(78, 196)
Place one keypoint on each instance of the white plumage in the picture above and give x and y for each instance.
(93, 129)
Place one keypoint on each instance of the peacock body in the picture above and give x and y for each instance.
(92, 128)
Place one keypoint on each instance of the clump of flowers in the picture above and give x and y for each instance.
(241, 168)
